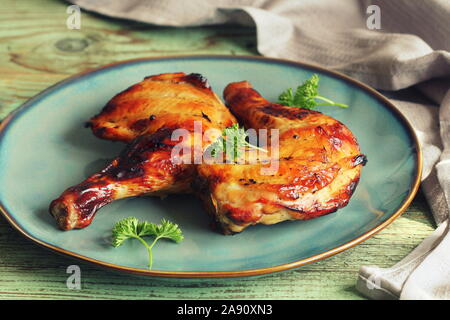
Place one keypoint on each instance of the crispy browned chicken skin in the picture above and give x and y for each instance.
(168, 100)
(319, 167)
(145, 114)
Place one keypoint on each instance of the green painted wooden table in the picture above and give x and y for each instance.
(37, 50)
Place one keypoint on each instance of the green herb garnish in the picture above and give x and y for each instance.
(307, 96)
(235, 138)
(131, 228)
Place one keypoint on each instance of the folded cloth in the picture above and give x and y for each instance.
(388, 44)
(425, 272)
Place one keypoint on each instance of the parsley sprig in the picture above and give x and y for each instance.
(307, 96)
(233, 137)
(131, 227)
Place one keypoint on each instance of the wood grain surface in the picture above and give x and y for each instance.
(38, 50)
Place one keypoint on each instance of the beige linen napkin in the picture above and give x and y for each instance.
(410, 49)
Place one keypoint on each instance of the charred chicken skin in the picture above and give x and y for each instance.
(318, 170)
(169, 100)
(145, 116)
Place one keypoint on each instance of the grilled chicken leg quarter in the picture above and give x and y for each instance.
(146, 115)
(319, 167)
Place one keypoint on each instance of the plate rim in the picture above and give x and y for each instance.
(234, 273)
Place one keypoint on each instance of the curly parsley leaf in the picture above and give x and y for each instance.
(131, 227)
(235, 138)
(307, 96)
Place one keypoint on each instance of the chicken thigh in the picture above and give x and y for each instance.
(319, 165)
(146, 115)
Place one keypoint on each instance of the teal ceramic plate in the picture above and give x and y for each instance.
(44, 148)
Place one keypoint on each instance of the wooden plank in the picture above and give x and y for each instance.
(37, 50)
